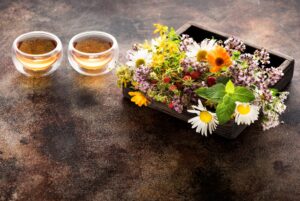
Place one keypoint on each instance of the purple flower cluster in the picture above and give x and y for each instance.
(189, 64)
(274, 75)
(233, 43)
(186, 41)
(249, 59)
(263, 56)
(243, 76)
(253, 75)
(177, 105)
(189, 91)
(141, 75)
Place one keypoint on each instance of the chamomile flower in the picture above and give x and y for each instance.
(246, 113)
(205, 121)
(138, 58)
(200, 51)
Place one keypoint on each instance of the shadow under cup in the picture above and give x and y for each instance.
(36, 64)
(93, 63)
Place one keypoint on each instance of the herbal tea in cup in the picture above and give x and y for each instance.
(93, 53)
(37, 53)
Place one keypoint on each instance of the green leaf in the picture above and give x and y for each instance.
(242, 94)
(235, 55)
(214, 93)
(274, 91)
(229, 88)
(190, 69)
(225, 109)
(222, 79)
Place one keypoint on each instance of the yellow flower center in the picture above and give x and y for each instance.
(219, 61)
(139, 62)
(201, 55)
(205, 116)
(243, 109)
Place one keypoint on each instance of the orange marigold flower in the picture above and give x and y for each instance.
(218, 58)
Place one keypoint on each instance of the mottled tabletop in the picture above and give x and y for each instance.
(71, 137)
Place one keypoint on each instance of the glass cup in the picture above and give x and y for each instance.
(37, 65)
(96, 63)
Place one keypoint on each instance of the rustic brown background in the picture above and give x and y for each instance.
(71, 137)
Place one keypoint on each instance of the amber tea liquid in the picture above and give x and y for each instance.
(93, 53)
(90, 46)
(37, 49)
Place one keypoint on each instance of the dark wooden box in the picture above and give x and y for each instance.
(230, 130)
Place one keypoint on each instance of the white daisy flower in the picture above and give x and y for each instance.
(246, 113)
(138, 58)
(199, 51)
(204, 121)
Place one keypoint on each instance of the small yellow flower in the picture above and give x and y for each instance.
(138, 98)
(161, 29)
(157, 60)
(173, 48)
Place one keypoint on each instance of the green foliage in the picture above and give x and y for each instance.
(214, 93)
(242, 94)
(274, 91)
(225, 109)
(225, 97)
(173, 36)
(229, 88)
(223, 79)
(236, 55)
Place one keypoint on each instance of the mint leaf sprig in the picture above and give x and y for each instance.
(225, 96)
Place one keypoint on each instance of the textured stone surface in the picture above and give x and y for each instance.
(70, 137)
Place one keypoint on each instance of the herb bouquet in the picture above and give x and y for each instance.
(214, 80)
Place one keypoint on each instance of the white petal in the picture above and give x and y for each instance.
(193, 119)
(193, 111)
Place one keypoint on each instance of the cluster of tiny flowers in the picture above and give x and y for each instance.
(189, 91)
(189, 64)
(177, 105)
(141, 76)
(250, 77)
(271, 119)
(243, 76)
(234, 44)
(253, 75)
(247, 57)
(272, 110)
(279, 105)
(274, 75)
(263, 56)
(186, 41)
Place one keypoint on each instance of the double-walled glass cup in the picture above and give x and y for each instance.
(37, 65)
(96, 63)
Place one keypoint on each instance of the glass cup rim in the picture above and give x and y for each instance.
(44, 33)
(92, 33)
